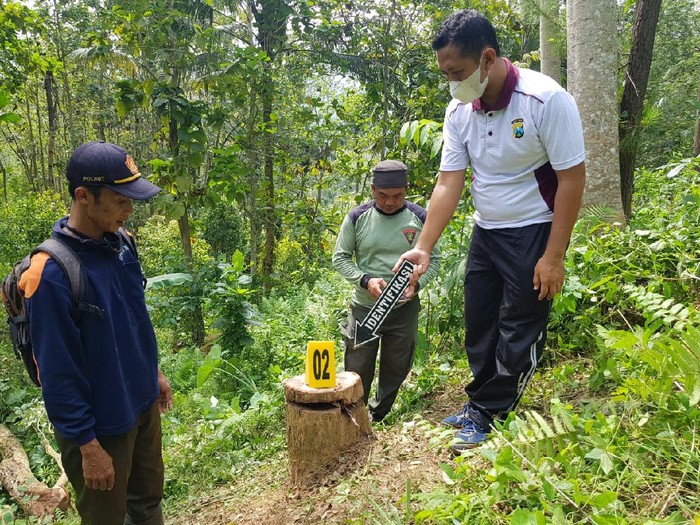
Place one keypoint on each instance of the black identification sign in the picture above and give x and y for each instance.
(366, 331)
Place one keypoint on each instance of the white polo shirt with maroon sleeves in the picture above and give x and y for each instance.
(514, 148)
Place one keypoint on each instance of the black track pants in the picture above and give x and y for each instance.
(506, 324)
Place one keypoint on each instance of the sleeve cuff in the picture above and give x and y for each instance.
(364, 281)
(85, 437)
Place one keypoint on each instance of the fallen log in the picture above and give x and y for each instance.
(35, 498)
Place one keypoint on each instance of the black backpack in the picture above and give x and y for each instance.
(15, 303)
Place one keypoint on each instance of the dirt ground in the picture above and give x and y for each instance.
(370, 479)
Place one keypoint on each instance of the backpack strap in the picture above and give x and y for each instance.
(66, 258)
(129, 241)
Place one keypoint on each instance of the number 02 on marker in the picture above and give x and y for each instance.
(320, 364)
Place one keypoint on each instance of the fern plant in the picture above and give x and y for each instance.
(659, 311)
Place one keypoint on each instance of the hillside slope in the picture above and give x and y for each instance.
(367, 482)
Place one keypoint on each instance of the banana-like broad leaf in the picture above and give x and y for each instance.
(168, 280)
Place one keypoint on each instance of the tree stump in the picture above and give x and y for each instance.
(322, 422)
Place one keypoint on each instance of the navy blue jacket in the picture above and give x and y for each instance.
(97, 373)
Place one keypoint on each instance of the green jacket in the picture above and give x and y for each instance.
(370, 242)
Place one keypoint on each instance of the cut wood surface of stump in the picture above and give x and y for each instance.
(322, 423)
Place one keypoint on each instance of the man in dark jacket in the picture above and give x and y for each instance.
(98, 369)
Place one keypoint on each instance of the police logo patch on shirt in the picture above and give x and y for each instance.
(410, 235)
(518, 129)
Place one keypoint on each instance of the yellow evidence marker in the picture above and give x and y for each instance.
(320, 364)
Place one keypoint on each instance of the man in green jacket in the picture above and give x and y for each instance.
(371, 238)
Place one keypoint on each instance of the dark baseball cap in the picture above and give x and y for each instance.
(390, 174)
(103, 164)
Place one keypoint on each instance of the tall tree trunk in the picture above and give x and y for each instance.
(4, 179)
(32, 172)
(386, 42)
(40, 142)
(550, 57)
(696, 139)
(268, 167)
(570, 57)
(253, 215)
(595, 91)
(195, 323)
(271, 21)
(635, 87)
(101, 107)
(252, 158)
(52, 111)
(196, 318)
(68, 123)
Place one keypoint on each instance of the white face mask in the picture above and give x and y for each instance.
(470, 88)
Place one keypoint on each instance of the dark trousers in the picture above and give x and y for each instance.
(398, 342)
(138, 484)
(506, 324)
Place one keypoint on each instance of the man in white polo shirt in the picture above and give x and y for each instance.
(521, 134)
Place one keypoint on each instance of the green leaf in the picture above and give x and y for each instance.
(404, 134)
(168, 280)
(210, 363)
(8, 517)
(196, 158)
(549, 491)
(449, 472)
(238, 261)
(183, 183)
(412, 135)
(606, 519)
(12, 118)
(423, 136)
(160, 101)
(601, 501)
(527, 517)
(606, 462)
(436, 147)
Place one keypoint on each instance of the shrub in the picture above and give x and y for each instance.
(25, 223)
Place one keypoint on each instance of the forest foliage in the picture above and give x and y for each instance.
(261, 121)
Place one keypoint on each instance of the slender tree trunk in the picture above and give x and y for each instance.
(253, 195)
(385, 81)
(196, 321)
(40, 140)
(101, 107)
(635, 87)
(4, 179)
(52, 111)
(32, 172)
(595, 91)
(252, 158)
(22, 155)
(68, 123)
(696, 139)
(271, 19)
(268, 167)
(550, 56)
